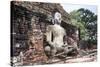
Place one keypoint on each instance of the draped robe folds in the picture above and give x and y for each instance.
(58, 34)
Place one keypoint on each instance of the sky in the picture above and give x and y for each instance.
(70, 7)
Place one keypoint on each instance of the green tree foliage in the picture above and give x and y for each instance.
(87, 22)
